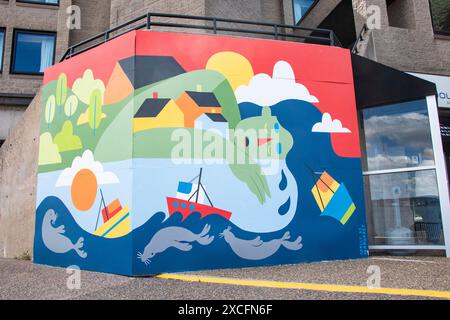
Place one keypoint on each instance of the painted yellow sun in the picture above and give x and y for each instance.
(234, 66)
(84, 189)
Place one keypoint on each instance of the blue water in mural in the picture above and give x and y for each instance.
(208, 243)
(283, 181)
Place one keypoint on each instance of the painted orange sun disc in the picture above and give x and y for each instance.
(84, 189)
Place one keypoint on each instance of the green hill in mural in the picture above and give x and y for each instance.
(274, 149)
(120, 129)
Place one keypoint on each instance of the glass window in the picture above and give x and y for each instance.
(2, 45)
(33, 52)
(404, 209)
(397, 136)
(440, 12)
(300, 8)
(402, 201)
(51, 2)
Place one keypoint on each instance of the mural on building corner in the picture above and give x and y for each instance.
(235, 153)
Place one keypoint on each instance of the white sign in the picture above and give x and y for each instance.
(442, 85)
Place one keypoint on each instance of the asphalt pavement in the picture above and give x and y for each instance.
(399, 278)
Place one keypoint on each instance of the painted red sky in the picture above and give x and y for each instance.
(325, 71)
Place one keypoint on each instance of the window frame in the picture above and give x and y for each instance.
(306, 13)
(439, 167)
(367, 171)
(14, 48)
(39, 3)
(442, 33)
(2, 52)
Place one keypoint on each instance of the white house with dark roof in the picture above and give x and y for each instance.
(212, 121)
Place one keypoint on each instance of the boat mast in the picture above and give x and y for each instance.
(197, 192)
(199, 184)
(316, 187)
(206, 194)
(320, 178)
(102, 202)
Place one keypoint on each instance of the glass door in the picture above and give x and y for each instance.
(400, 177)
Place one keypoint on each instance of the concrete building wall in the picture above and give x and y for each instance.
(415, 48)
(405, 41)
(401, 14)
(252, 10)
(9, 116)
(125, 10)
(95, 18)
(288, 12)
(18, 172)
(16, 15)
(274, 11)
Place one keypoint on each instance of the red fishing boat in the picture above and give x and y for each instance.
(189, 200)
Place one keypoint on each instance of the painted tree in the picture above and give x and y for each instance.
(61, 90)
(95, 109)
(71, 105)
(50, 107)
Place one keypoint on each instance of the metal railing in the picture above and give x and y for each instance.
(146, 21)
(360, 38)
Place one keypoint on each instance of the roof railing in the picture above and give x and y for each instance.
(146, 21)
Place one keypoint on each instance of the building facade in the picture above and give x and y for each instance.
(34, 34)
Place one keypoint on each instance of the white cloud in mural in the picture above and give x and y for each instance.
(86, 161)
(329, 125)
(265, 90)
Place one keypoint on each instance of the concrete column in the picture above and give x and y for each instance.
(422, 12)
(18, 177)
(288, 12)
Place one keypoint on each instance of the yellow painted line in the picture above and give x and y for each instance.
(308, 286)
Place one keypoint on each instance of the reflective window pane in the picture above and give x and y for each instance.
(397, 136)
(440, 12)
(2, 45)
(403, 209)
(300, 8)
(33, 52)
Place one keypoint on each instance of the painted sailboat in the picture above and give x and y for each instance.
(116, 219)
(333, 198)
(190, 198)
